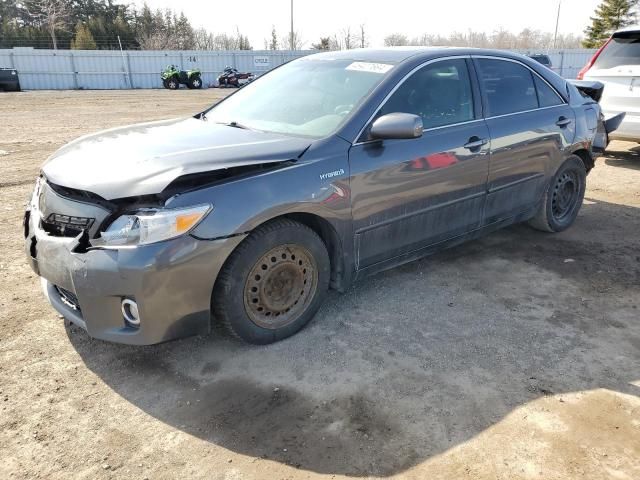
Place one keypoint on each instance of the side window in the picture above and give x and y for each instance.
(508, 87)
(547, 97)
(440, 93)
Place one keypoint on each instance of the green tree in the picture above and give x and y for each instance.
(83, 39)
(323, 44)
(610, 15)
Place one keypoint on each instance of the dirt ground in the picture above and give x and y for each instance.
(513, 357)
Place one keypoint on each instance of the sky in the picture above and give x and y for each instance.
(314, 19)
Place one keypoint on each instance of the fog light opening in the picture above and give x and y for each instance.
(130, 312)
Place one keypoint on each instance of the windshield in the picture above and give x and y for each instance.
(307, 97)
(623, 49)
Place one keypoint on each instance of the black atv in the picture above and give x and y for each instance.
(172, 78)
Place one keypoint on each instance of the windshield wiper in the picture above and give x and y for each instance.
(235, 124)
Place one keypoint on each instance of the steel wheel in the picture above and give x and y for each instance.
(280, 286)
(563, 198)
(565, 195)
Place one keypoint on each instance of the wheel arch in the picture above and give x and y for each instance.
(586, 157)
(329, 236)
(331, 240)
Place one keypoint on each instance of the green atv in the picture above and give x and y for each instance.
(172, 78)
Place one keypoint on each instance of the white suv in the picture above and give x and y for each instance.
(617, 65)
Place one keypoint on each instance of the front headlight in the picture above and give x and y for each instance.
(151, 226)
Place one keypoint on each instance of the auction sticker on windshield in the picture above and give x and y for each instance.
(370, 67)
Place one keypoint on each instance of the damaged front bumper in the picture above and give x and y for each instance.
(170, 281)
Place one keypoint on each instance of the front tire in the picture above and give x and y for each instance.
(563, 199)
(273, 284)
(173, 84)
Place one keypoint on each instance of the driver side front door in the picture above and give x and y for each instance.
(410, 194)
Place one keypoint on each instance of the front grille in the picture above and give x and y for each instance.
(68, 298)
(65, 226)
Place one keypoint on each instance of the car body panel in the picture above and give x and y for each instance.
(622, 87)
(376, 204)
(171, 280)
(411, 193)
(526, 148)
(144, 159)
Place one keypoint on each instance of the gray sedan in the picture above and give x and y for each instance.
(323, 171)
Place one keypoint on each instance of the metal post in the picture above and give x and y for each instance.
(124, 64)
(291, 39)
(73, 70)
(555, 36)
(129, 70)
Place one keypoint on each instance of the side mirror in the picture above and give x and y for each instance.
(397, 126)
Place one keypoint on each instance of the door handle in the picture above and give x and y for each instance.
(563, 122)
(475, 143)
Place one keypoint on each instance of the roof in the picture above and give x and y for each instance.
(400, 54)
(630, 28)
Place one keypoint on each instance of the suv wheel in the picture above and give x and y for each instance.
(173, 84)
(273, 283)
(563, 198)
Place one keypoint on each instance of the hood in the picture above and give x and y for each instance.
(143, 159)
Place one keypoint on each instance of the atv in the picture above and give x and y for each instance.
(172, 78)
(231, 77)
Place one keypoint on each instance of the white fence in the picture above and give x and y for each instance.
(566, 63)
(109, 69)
(112, 70)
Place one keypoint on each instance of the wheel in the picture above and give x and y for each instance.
(273, 284)
(195, 82)
(165, 84)
(173, 84)
(563, 198)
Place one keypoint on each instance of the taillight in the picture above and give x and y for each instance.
(588, 66)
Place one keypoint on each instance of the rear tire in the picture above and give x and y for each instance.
(195, 82)
(273, 284)
(563, 199)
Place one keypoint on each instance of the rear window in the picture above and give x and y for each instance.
(508, 87)
(623, 49)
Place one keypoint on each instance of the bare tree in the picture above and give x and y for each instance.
(335, 43)
(363, 37)
(51, 14)
(203, 40)
(347, 38)
(396, 40)
(527, 39)
(296, 41)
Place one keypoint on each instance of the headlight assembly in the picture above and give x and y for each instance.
(151, 226)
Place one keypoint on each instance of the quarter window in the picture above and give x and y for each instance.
(547, 97)
(508, 87)
(439, 92)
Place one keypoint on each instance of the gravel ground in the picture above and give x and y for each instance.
(512, 357)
